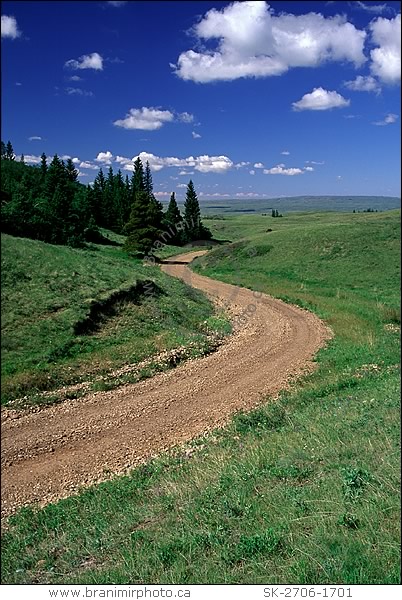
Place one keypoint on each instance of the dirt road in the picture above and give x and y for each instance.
(50, 454)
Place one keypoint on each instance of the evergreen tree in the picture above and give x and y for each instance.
(140, 230)
(97, 197)
(173, 222)
(22, 159)
(9, 151)
(71, 171)
(194, 229)
(3, 150)
(43, 165)
(137, 180)
(157, 207)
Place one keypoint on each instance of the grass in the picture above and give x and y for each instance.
(303, 490)
(48, 292)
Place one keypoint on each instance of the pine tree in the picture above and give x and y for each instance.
(43, 165)
(3, 150)
(97, 197)
(72, 173)
(194, 229)
(157, 207)
(140, 230)
(138, 178)
(9, 151)
(173, 222)
(22, 159)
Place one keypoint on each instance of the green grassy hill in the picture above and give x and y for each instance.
(304, 490)
(49, 294)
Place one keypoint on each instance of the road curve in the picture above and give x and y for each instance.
(52, 453)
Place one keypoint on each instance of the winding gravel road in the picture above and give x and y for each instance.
(50, 454)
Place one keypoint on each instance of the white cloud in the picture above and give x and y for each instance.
(116, 3)
(152, 118)
(203, 164)
(315, 162)
(145, 118)
(18, 83)
(76, 160)
(241, 164)
(388, 120)
(252, 172)
(185, 117)
(309, 169)
(195, 135)
(86, 165)
(162, 194)
(181, 185)
(258, 165)
(285, 152)
(246, 195)
(77, 92)
(373, 8)
(34, 138)
(363, 84)
(320, 99)
(253, 42)
(9, 27)
(32, 159)
(87, 61)
(105, 157)
(282, 170)
(386, 59)
(75, 78)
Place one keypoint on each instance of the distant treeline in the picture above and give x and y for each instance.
(46, 202)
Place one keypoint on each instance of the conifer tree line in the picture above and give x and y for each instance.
(47, 202)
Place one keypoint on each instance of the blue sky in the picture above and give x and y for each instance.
(248, 99)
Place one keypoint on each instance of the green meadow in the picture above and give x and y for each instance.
(303, 490)
(72, 315)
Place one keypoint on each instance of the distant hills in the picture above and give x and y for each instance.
(300, 204)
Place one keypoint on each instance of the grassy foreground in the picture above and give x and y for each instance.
(49, 341)
(302, 490)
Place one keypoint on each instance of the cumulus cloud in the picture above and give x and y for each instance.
(203, 164)
(363, 84)
(105, 157)
(195, 135)
(75, 78)
(386, 58)
(252, 172)
(71, 91)
(241, 164)
(285, 152)
(87, 61)
(389, 119)
(34, 138)
(32, 159)
(253, 42)
(282, 170)
(309, 169)
(9, 27)
(258, 165)
(320, 99)
(86, 165)
(145, 118)
(181, 185)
